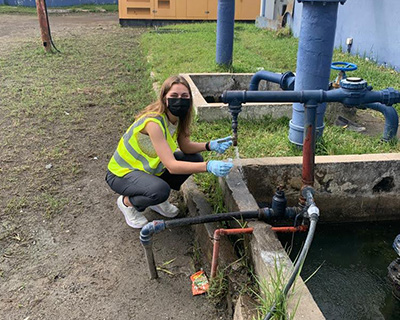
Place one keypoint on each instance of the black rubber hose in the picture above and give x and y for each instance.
(48, 24)
(261, 214)
(300, 261)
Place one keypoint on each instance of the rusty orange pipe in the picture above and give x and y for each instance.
(301, 228)
(217, 236)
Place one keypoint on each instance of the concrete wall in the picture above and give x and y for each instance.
(373, 25)
(212, 85)
(348, 188)
(55, 3)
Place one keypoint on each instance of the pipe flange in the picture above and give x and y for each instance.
(353, 83)
(287, 81)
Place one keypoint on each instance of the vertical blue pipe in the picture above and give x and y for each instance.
(262, 10)
(225, 24)
(314, 58)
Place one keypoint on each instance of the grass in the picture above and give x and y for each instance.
(193, 48)
(219, 287)
(64, 110)
(6, 9)
(271, 294)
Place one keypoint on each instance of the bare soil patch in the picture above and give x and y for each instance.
(65, 250)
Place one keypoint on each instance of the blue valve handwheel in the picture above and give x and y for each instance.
(343, 66)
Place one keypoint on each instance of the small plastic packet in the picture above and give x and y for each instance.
(199, 283)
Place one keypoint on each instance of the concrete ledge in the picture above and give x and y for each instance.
(212, 85)
(198, 205)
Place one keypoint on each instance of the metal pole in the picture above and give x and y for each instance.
(262, 9)
(44, 26)
(225, 26)
(314, 58)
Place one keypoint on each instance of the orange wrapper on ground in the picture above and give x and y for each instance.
(199, 283)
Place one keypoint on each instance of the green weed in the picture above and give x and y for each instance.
(270, 293)
(209, 185)
(15, 205)
(218, 288)
(50, 204)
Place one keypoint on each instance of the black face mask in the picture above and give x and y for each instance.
(179, 107)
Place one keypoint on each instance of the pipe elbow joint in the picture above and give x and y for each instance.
(255, 80)
(391, 119)
(149, 229)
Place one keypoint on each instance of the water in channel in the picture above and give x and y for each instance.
(352, 282)
(239, 163)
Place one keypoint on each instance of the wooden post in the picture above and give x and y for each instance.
(44, 25)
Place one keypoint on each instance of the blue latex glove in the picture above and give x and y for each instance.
(220, 145)
(219, 168)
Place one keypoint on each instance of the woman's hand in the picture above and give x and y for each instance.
(219, 168)
(221, 145)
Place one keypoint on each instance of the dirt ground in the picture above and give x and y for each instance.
(85, 263)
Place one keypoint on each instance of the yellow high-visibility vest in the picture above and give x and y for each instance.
(129, 157)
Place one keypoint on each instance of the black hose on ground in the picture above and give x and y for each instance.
(262, 214)
(48, 24)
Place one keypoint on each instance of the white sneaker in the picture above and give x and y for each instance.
(166, 209)
(133, 218)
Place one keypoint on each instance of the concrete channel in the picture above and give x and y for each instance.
(344, 191)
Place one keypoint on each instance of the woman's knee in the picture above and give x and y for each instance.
(194, 157)
(163, 194)
(159, 192)
(197, 157)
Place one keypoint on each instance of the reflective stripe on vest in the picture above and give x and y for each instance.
(120, 163)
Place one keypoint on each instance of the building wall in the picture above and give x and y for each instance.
(55, 3)
(374, 26)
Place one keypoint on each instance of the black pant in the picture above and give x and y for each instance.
(146, 190)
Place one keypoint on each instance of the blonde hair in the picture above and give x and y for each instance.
(160, 106)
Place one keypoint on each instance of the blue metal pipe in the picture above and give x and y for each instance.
(286, 80)
(391, 119)
(262, 10)
(314, 57)
(225, 27)
(353, 93)
(350, 98)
